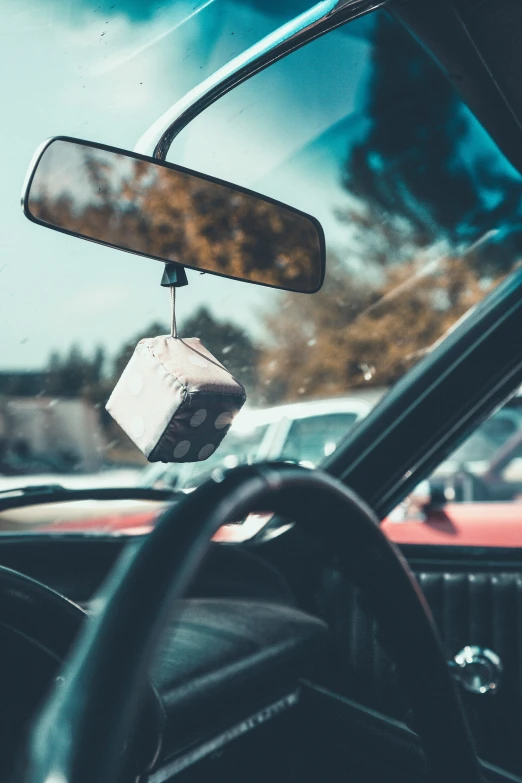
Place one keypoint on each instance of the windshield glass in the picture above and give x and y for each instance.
(485, 443)
(312, 439)
(360, 129)
(241, 447)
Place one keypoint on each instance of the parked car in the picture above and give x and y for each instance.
(474, 498)
(301, 432)
(492, 449)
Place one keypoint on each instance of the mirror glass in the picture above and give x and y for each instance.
(172, 214)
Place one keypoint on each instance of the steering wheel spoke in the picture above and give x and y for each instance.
(82, 726)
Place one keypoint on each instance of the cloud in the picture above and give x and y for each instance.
(124, 57)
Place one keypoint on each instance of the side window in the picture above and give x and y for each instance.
(479, 452)
(512, 472)
(488, 465)
(312, 439)
(474, 497)
(507, 466)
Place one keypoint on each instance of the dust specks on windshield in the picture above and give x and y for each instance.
(421, 219)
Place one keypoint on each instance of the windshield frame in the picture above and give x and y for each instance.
(300, 31)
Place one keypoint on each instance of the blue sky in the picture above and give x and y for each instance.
(105, 71)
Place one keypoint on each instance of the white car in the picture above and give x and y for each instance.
(301, 432)
(115, 477)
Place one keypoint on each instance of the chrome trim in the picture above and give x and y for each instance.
(477, 669)
(318, 20)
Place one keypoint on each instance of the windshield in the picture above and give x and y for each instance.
(241, 447)
(477, 452)
(312, 439)
(360, 129)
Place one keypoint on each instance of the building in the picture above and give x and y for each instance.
(42, 434)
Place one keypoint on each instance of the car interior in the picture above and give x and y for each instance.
(317, 649)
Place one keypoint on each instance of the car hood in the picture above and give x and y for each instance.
(480, 524)
(125, 477)
(83, 516)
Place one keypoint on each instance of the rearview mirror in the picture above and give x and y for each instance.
(169, 213)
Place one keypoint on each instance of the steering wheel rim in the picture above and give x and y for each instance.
(80, 729)
(47, 622)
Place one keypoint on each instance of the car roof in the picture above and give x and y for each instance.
(357, 403)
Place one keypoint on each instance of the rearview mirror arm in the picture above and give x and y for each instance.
(323, 17)
(174, 276)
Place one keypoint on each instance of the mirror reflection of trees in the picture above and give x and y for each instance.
(175, 216)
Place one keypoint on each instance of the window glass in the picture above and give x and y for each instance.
(483, 446)
(421, 214)
(241, 447)
(312, 439)
(512, 473)
(474, 498)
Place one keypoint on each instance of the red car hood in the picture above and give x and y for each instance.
(458, 524)
(137, 523)
(462, 524)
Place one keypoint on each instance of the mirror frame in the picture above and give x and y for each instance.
(42, 148)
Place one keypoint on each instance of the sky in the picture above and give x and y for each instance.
(105, 71)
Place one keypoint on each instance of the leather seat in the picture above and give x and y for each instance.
(222, 659)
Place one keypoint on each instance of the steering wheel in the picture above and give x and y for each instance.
(37, 629)
(83, 726)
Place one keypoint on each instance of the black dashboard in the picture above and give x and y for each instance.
(235, 652)
(228, 667)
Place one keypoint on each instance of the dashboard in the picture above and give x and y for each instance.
(233, 639)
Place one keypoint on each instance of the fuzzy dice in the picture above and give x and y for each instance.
(175, 400)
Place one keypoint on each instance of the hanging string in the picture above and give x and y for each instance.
(173, 325)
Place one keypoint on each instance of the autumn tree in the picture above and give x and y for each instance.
(418, 201)
(357, 334)
(229, 343)
(124, 354)
(74, 374)
(175, 216)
